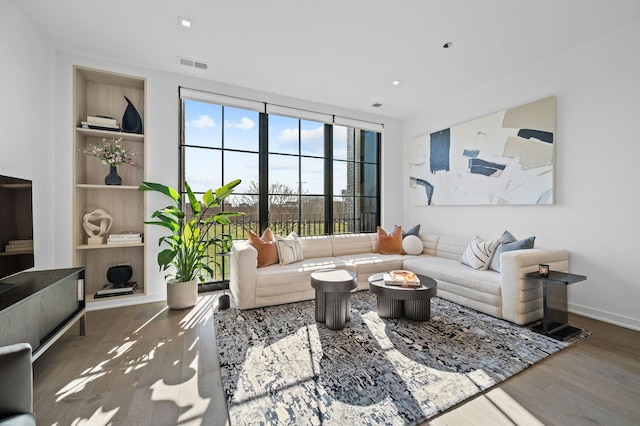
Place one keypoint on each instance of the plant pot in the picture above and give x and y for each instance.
(223, 302)
(182, 295)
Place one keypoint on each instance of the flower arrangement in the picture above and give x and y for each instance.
(112, 153)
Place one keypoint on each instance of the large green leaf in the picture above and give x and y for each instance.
(189, 240)
(158, 187)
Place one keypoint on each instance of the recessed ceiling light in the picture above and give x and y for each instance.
(448, 44)
(395, 82)
(185, 22)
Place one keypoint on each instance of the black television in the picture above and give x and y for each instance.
(16, 225)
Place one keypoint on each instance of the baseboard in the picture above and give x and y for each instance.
(621, 320)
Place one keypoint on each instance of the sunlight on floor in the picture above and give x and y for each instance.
(99, 417)
(511, 408)
(185, 395)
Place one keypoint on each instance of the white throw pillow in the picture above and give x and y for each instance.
(479, 253)
(289, 249)
(412, 245)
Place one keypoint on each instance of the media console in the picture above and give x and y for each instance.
(40, 306)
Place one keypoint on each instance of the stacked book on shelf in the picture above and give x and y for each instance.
(402, 278)
(19, 246)
(125, 238)
(100, 122)
(109, 290)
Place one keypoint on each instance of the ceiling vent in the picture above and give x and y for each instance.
(380, 105)
(193, 63)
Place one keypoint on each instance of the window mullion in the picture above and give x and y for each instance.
(328, 179)
(263, 173)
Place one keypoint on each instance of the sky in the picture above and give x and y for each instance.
(204, 126)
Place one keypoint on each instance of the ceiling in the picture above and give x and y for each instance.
(337, 52)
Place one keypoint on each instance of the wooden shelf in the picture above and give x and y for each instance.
(136, 293)
(107, 246)
(15, 253)
(108, 187)
(110, 134)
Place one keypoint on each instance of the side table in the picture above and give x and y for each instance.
(555, 320)
(333, 296)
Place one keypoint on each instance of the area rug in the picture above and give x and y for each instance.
(280, 367)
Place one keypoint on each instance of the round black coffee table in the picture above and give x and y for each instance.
(394, 301)
(333, 296)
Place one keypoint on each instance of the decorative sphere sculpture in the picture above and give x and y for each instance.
(412, 245)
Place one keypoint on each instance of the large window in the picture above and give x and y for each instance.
(300, 174)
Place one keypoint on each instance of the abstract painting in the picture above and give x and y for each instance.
(500, 159)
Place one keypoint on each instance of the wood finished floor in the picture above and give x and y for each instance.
(147, 365)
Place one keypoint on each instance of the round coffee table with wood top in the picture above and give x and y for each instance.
(333, 296)
(395, 301)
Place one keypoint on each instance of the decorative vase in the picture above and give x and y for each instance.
(113, 178)
(131, 121)
(182, 295)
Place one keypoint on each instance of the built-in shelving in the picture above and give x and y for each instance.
(103, 93)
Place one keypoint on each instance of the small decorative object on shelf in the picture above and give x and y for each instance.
(112, 153)
(543, 270)
(131, 121)
(119, 275)
(96, 224)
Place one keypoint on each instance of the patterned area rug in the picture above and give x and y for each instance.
(280, 367)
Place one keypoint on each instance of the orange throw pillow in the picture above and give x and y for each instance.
(390, 243)
(267, 250)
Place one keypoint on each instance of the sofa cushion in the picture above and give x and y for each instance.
(372, 263)
(267, 251)
(509, 243)
(351, 244)
(281, 279)
(316, 246)
(451, 271)
(389, 242)
(479, 253)
(450, 246)
(289, 249)
(412, 231)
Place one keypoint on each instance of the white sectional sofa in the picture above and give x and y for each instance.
(506, 294)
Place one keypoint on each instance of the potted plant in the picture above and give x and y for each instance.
(190, 238)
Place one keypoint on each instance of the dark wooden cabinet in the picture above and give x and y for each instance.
(40, 306)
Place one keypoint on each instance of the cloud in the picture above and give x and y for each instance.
(288, 135)
(244, 124)
(203, 122)
(291, 135)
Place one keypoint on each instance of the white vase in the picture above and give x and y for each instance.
(182, 295)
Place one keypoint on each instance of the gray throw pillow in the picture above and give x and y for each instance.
(413, 231)
(509, 243)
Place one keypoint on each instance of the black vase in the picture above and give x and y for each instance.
(131, 121)
(113, 178)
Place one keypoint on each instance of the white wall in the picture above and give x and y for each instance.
(27, 147)
(161, 156)
(597, 170)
